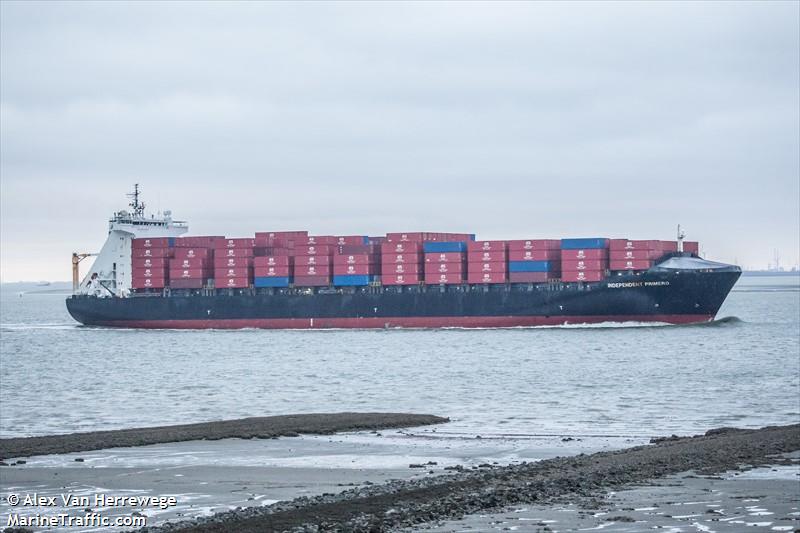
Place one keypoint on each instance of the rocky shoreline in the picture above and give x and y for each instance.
(401, 504)
(245, 428)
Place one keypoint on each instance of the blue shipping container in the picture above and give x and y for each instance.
(530, 266)
(437, 247)
(584, 244)
(275, 281)
(352, 280)
(170, 241)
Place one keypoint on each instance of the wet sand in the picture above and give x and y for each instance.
(245, 428)
(759, 499)
(409, 503)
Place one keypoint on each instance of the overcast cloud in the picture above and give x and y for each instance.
(509, 120)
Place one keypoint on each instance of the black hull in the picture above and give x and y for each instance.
(654, 296)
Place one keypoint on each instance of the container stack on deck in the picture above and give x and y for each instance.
(356, 262)
(150, 262)
(402, 262)
(487, 262)
(192, 264)
(295, 258)
(533, 260)
(584, 259)
(313, 261)
(445, 262)
(233, 263)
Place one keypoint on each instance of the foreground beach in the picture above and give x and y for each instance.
(398, 479)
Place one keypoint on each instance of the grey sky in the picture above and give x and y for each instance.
(503, 119)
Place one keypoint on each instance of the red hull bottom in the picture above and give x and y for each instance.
(404, 322)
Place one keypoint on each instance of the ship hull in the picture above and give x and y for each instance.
(657, 297)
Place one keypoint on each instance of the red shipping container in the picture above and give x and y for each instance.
(444, 268)
(406, 237)
(149, 262)
(235, 272)
(188, 262)
(233, 252)
(407, 258)
(271, 260)
(615, 255)
(316, 240)
(493, 267)
(281, 234)
(148, 283)
(271, 271)
(206, 241)
(187, 273)
(445, 257)
(150, 242)
(353, 259)
(141, 273)
(350, 239)
(348, 249)
(314, 249)
(627, 244)
(591, 253)
(534, 244)
(486, 246)
(312, 281)
(534, 255)
(304, 260)
(233, 262)
(486, 277)
(312, 270)
(189, 253)
(691, 246)
(401, 268)
(531, 277)
(584, 264)
(151, 252)
(630, 264)
(400, 279)
(232, 283)
(669, 246)
(353, 270)
(193, 283)
(402, 247)
(583, 275)
(446, 278)
(242, 242)
(483, 257)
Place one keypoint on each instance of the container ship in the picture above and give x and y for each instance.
(148, 274)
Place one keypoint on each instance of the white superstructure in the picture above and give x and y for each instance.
(113, 263)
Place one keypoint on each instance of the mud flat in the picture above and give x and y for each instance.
(408, 503)
(246, 428)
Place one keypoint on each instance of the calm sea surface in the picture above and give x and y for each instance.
(57, 377)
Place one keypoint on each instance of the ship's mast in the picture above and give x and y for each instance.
(136, 205)
(681, 236)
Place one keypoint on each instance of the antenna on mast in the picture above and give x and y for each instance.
(136, 205)
(681, 236)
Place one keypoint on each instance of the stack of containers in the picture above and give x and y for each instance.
(427, 236)
(233, 263)
(356, 262)
(313, 260)
(534, 260)
(633, 255)
(487, 262)
(402, 262)
(272, 270)
(445, 262)
(192, 264)
(150, 262)
(584, 259)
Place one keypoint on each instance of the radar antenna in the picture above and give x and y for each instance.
(681, 236)
(136, 205)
